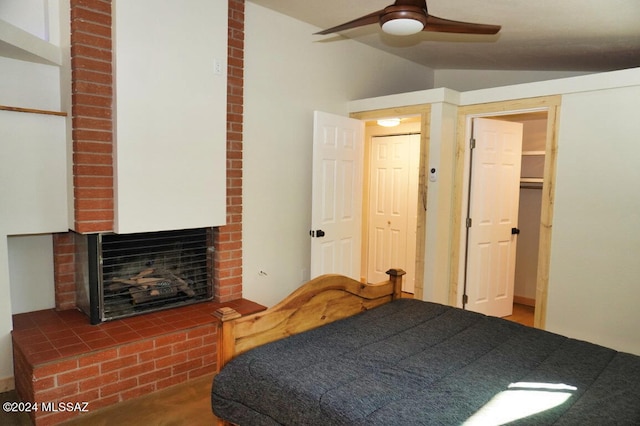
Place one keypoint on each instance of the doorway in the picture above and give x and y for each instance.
(415, 120)
(340, 195)
(547, 110)
(392, 209)
(529, 213)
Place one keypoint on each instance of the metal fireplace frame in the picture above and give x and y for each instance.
(92, 295)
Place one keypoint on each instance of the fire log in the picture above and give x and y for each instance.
(183, 286)
(165, 290)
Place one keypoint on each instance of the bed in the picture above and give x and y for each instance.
(339, 352)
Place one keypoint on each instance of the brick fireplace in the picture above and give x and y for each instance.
(93, 168)
(58, 355)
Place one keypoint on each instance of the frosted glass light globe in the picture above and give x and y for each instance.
(402, 27)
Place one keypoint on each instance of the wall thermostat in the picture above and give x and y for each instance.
(433, 174)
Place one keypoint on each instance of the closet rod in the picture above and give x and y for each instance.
(32, 111)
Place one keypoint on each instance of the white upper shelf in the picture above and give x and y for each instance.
(18, 44)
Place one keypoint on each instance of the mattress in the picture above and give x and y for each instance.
(419, 363)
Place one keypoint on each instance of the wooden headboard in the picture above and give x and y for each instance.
(320, 301)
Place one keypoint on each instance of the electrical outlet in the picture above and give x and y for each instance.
(217, 66)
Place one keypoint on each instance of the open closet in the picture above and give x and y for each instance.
(532, 171)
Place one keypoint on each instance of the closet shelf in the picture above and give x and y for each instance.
(533, 152)
(530, 180)
(530, 183)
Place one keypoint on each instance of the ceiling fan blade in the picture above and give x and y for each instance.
(448, 26)
(372, 18)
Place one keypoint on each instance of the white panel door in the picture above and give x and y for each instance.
(493, 212)
(336, 195)
(393, 207)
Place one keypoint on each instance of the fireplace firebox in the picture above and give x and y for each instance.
(130, 274)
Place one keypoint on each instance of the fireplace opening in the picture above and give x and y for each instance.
(131, 274)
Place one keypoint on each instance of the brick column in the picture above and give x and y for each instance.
(228, 238)
(64, 270)
(92, 115)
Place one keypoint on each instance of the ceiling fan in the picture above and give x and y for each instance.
(406, 17)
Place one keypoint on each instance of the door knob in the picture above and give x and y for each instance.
(515, 231)
(317, 234)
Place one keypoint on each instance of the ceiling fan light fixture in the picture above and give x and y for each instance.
(402, 27)
(407, 17)
(403, 21)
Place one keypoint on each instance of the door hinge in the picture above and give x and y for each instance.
(468, 222)
(472, 143)
(465, 299)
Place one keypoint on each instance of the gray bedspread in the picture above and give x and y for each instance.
(418, 363)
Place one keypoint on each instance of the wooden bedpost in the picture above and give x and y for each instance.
(226, 335)
(226, 343)
(395, 276)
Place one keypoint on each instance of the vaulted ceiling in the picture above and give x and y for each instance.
(555, 35)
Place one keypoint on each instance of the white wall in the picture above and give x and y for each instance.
(33, 176)
(33, 187)
(594, 278)
(170, 110)
(31, 273)
(29, 85)
(442, 156)
(6, 325)
(289, 73)
(464, 80)
(28, 15)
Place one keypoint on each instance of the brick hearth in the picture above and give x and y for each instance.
(60, 357)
